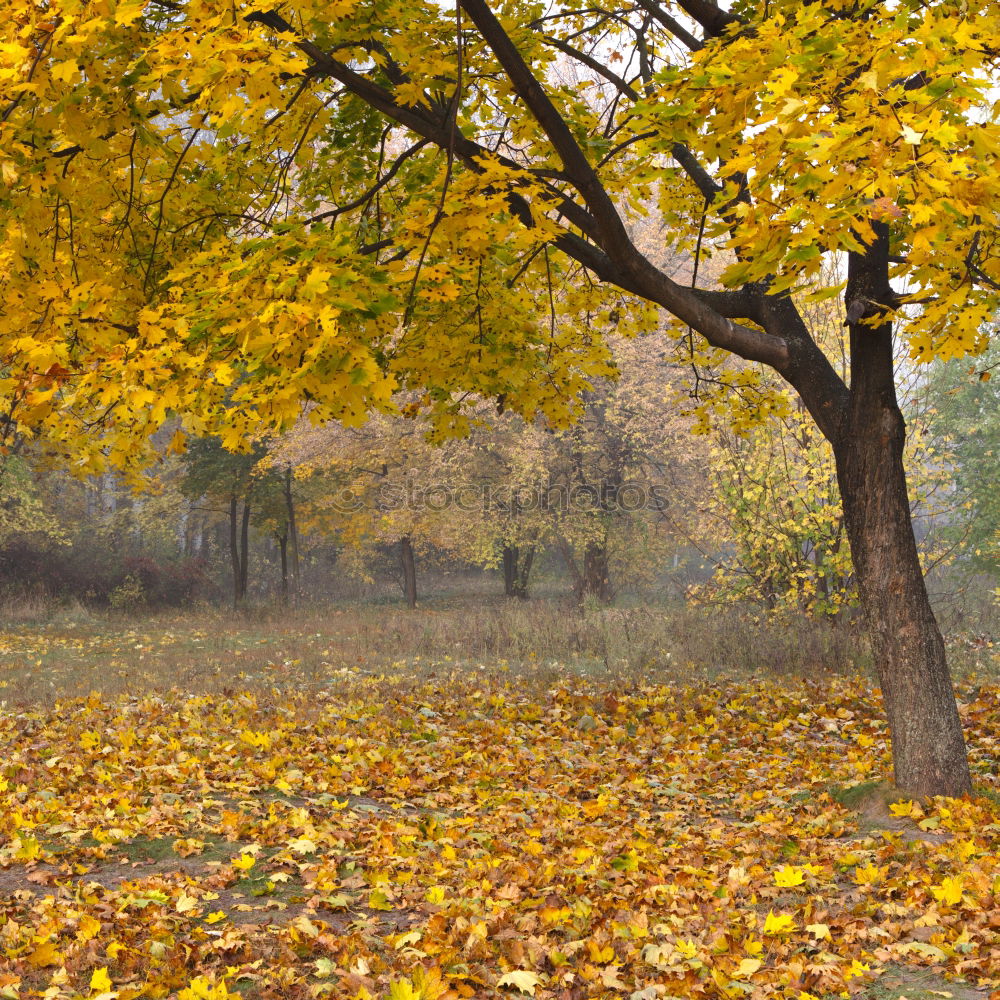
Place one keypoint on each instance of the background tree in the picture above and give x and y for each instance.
(235, 483)
(385, 484)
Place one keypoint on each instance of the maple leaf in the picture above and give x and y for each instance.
(203, 988)
(525, 982)
(100, 981)
(788, 876)
(46, 953)
(746, 968)
(950, 890)
(127, 13)
(776, 924)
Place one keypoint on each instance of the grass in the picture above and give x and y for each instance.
(71, 651)
(75, 651)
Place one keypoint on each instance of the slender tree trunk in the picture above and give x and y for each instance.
(234, 550)
(567, 553)
(409, 571)
(283, 548)
(929, 753)
(523, 573)
(244, 548)
(293, 535)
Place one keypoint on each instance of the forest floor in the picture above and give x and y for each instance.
(252, 812)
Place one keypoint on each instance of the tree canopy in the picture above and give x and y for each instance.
(205, 200)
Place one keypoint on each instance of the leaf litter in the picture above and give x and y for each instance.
(472, 835)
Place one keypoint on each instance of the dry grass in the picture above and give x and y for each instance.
(47, 653)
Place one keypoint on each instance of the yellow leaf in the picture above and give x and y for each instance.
(788, 876)
(178, 443)
(868, 874)
(377, 900)
(129, 12)
(869, 80)
(819, 931)
(778, 924)
(100, 981)
(45, 954)
(66, 71)
(28, 849)
(747, 968)
(950, 890)
(186, 903)
(244, 862)
(303, 924)
(89, 928)
(526, 982)
(402, 989)
(202, 988)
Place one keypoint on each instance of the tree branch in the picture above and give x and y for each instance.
(333, 213)
(594, 64)
(615, 259)
(633, 271)
(713, 19)
(674, 27)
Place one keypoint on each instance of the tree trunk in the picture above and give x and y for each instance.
(516, 569)
(293, 535)
(244, 548)
(283, 548)
(929, 753)
(409, 571)
(596, 577)
(234, 550)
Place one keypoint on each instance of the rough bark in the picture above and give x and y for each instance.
(928, 749)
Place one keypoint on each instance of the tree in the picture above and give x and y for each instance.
(234, 481)
(626, 466)
(341, 199)
(385, 484)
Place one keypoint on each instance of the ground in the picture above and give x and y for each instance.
(440, 830)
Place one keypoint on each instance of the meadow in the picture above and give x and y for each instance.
(363, 801)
